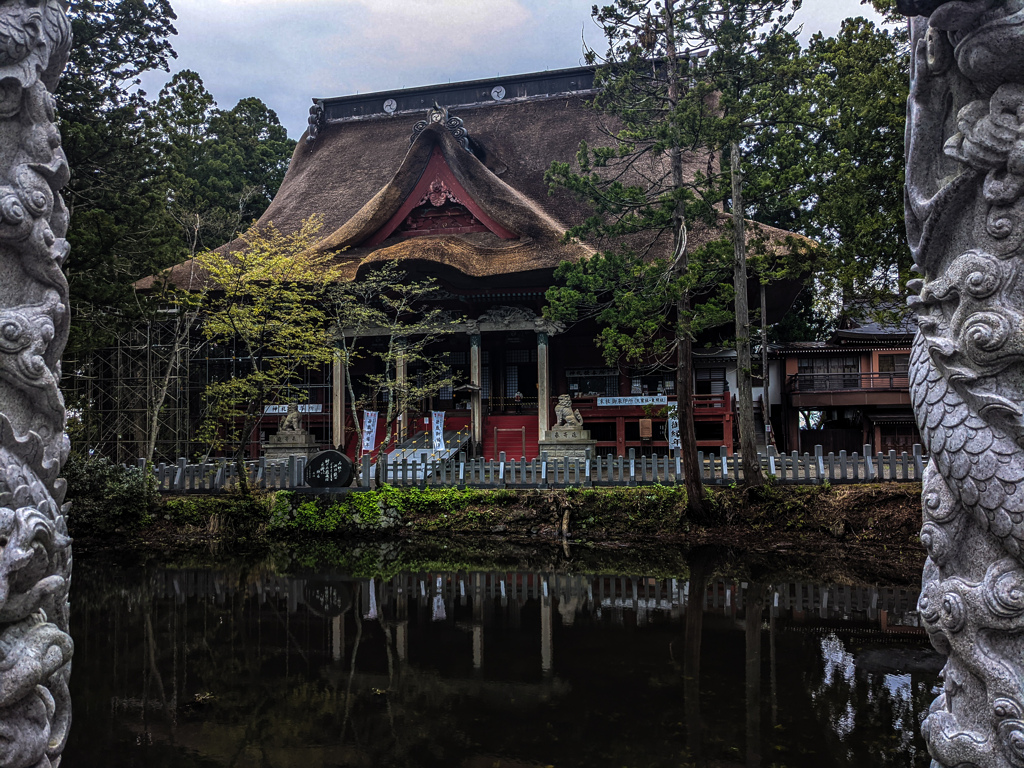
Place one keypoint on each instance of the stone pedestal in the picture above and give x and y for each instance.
(290, 443)
(567, 443)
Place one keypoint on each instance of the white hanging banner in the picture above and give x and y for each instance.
(437, 429)
(369, 430)
(674, 441)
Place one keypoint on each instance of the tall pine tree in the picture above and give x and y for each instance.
(119, 227)
(684, 78)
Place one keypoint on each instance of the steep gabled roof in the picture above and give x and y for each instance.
(518, 238)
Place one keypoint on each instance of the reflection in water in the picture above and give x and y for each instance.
(752, 626)
(520, 669)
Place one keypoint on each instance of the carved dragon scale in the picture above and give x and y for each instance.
(35, 551)
(965, 221)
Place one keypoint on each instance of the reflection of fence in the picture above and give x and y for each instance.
(715, 469)
(578, 594)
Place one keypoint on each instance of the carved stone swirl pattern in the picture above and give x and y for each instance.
(35, 551)
(965, 221)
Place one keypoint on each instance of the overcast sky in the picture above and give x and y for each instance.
(286, 52)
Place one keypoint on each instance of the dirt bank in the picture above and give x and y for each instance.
(840, 533)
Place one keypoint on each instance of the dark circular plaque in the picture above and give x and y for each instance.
(329, 469)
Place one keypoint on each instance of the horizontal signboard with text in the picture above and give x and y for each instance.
(304, 408)
(633, 400)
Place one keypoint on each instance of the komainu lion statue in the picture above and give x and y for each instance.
(292, 422)
(565, 414)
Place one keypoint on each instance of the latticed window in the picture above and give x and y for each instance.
(511, 380)
(521, 356)
(894, 363)
(709, 381)
(593, 381)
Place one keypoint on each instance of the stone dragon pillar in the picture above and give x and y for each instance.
(35, 552)
(965, 221)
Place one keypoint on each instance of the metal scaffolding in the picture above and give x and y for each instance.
(113, 393)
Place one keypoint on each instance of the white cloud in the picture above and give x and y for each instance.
(825, 16)
(288, 51)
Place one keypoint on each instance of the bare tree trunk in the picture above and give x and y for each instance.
(181, 333)
(249, 422)
(745, 397)
(352, 396)
(684, 345)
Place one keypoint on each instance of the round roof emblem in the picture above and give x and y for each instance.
(498, 92)
(390, 106)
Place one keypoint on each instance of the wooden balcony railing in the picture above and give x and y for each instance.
(848, 382)
(707, 404)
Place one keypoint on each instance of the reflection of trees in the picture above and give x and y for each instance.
(699, 570)
(752, 672)
(245, 680)
(241, 684)
(869, 718)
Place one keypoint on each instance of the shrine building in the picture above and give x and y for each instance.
(448, 180)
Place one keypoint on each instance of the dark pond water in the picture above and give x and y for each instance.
(246, 666)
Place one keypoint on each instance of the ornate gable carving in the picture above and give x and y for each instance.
(448, 218)
(438, 193)
(438, 205)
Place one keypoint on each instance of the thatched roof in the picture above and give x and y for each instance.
(359, 172)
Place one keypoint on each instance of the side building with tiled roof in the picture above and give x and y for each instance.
(852, 390)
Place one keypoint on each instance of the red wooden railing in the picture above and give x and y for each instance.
(839, 382)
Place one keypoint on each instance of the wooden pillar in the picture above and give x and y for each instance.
(475, 399)
(338, 405)
(543, 385)
(401, 375)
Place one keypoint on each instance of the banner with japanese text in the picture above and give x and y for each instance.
(369, 430)
(674, 441)
(437, 429)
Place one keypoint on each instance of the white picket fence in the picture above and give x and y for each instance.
(504, 472)
(222, 474)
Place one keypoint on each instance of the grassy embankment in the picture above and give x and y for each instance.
(876, 522)
(854, 532)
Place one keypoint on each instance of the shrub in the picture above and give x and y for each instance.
(186, 510)
(107, 497)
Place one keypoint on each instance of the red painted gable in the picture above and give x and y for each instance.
(438, 205)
